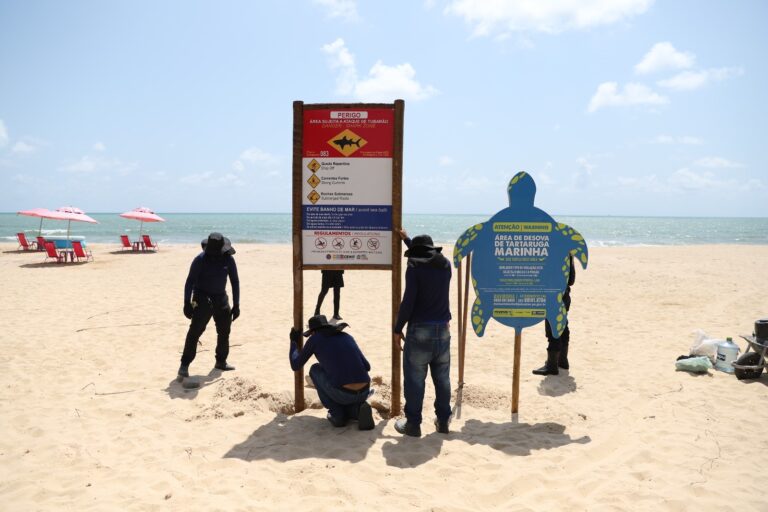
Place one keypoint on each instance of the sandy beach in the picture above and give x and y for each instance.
(92, 417)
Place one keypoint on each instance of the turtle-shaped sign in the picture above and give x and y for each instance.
(521, 262)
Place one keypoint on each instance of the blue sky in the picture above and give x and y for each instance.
(616, 107)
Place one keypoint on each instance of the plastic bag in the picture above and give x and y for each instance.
(703, 345)
(694, 364)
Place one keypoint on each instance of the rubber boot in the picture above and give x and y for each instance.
(550, 367)
(562, 361)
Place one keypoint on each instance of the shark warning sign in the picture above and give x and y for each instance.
(347, 186)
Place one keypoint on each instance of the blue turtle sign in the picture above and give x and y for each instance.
(520, 263)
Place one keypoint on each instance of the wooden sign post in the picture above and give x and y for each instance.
(347, 201)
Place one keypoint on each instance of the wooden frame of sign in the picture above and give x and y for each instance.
(300, 113)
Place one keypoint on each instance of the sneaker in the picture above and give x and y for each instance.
(365, 417)
(442, 426)
(408, 429)
(224, 367)
(183, 372)
(336, 421)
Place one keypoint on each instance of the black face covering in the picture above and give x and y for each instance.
(214, 246)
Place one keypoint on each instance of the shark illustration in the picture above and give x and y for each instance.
(344, 141)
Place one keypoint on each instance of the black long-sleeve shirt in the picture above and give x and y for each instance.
(209, 274)
(427, 287)
(337, 353)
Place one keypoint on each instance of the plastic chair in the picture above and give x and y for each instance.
(50, 250)
(77, 246)
(148, 243)
(126, 243)
(25, 244)
(41, 243)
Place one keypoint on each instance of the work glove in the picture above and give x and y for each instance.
(295, 335)
(188, 310)
(235, 313)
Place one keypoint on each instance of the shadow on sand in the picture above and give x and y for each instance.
(287, 438)
(175, 388)
(557, 385)
(514, 439)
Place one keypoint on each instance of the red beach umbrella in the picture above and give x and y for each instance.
(142, 214)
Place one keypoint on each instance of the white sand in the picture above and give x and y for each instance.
(92, 417)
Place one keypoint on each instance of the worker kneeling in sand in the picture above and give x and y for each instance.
(341, 373)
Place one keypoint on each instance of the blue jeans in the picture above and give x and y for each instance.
(427, 345)
(340, 402)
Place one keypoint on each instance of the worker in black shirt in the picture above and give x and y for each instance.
(341, 373)
(205, 296)
(557, 348)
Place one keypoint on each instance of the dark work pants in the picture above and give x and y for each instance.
(557, 344)
(209, 306)
(336, 299)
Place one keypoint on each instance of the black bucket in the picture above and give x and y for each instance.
(761, 329)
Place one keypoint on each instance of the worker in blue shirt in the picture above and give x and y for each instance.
(341, 373)
(205, 296)
(426, 309)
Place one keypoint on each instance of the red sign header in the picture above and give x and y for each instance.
(363, 133)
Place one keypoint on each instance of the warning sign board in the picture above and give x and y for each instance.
(347, 186)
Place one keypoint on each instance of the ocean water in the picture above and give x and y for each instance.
(445, 229)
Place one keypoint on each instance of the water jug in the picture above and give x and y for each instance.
(727, 352)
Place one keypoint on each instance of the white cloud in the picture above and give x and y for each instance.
(551, 16)
(388, 83)
(344, 9)
(96, 164)
(23, 147)
(384, 83)
(664, 56)
(259, 159)
(690, 80)
(340, 58)
(3, 134)
(583, 176)
(687, 179)
(212, 179)
(99, 146)
(716, 162)
(446, 161)
(609, 95)
(683, 140)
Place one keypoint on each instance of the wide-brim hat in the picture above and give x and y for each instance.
(318, 322)
(217, 244)
(422, 246)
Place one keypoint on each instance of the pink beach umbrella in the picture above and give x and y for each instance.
(142, 214)
(70, 213)
(43, 213)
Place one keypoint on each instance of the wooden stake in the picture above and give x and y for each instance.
(298, 272)
(463, 335)
(516, 371)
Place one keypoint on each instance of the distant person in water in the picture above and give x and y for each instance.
(205, 296)
(331, 279)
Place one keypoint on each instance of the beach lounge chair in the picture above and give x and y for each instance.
(81, 253)
(126, 243)
(148, 243)
(50, 251)
(41, 243)
(25, 244)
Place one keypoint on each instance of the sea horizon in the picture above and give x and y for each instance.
(275, 227)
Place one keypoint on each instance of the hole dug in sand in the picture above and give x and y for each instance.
(236, 396)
